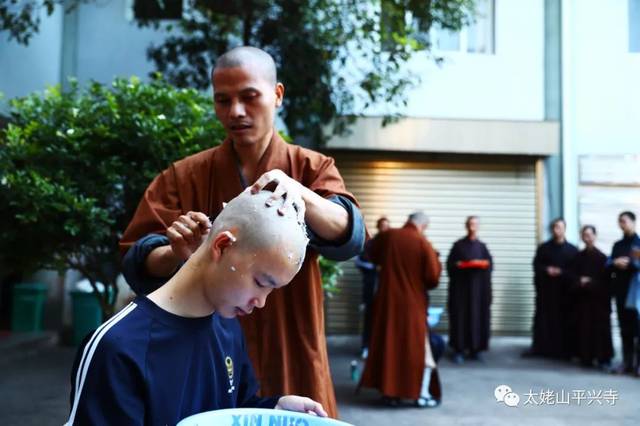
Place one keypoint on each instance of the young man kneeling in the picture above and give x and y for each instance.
(180, 351)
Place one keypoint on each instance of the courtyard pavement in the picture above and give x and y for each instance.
(34, 385)
(468, 392)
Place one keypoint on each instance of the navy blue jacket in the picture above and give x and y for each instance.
(621, 278)
(146, 366)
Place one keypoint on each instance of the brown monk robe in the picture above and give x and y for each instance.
(409, 266)
(285, 339)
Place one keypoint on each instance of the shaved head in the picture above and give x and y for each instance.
(419, 218)
(258, 227)
(251, 58)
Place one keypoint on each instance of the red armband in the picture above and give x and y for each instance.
(474, 264)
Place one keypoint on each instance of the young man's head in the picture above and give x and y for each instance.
(558, 229)
(250, 251)
(246, 94)
(383, 224)
(627, 222)
(472, 224)
(588, 234)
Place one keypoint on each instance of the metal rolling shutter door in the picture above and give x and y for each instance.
(503, 196)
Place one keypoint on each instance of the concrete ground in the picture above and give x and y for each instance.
(34, 385)
(468, 392)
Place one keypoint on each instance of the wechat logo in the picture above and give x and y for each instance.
(503, 393)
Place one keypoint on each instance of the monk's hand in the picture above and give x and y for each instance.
(554, 271)
(286, 195)
(621, 262)
(300, 404)
(187, 233)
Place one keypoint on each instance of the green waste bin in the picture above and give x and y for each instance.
(87, 314)
(28, 306)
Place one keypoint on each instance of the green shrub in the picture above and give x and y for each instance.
(330, 270)
(74, 165)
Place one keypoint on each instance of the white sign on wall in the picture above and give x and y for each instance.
(608, 185)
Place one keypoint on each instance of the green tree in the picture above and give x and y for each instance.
(22, 18)
(333, 55)
(74, 165)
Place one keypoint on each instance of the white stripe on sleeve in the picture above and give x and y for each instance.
(88, 352)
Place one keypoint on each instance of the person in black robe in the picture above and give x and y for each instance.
(552, 280)
(469, 266)
(591, 310)
(369, 285)
(621, 270)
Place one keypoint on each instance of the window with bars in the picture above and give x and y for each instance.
(157, 9)
(478, 37)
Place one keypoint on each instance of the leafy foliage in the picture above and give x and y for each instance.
(74, 164)
(334, 56)
(22, 18)
(330, 271)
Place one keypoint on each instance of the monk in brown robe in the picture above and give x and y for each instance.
(285, 340)
(400, 364)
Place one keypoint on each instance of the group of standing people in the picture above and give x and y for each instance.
(573, 297)
(572, 309)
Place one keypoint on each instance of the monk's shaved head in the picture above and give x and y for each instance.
(419, 218)
(258, 227)
(249, 57)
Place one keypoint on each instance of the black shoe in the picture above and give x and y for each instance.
(427, 402)
(586, 363)
(623, 368)
(390, 402)
(529, 353)
(476, 356)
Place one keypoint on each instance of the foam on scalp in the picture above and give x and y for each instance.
(257, 226)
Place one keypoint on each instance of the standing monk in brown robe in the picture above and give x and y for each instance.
(400, 364)
(285, 340)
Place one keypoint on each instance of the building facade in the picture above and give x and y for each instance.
(532, 115)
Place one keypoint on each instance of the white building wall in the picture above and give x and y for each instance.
(506, 85)
(110, 45)
(24, 69)
(601, 90)
(107, 45)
